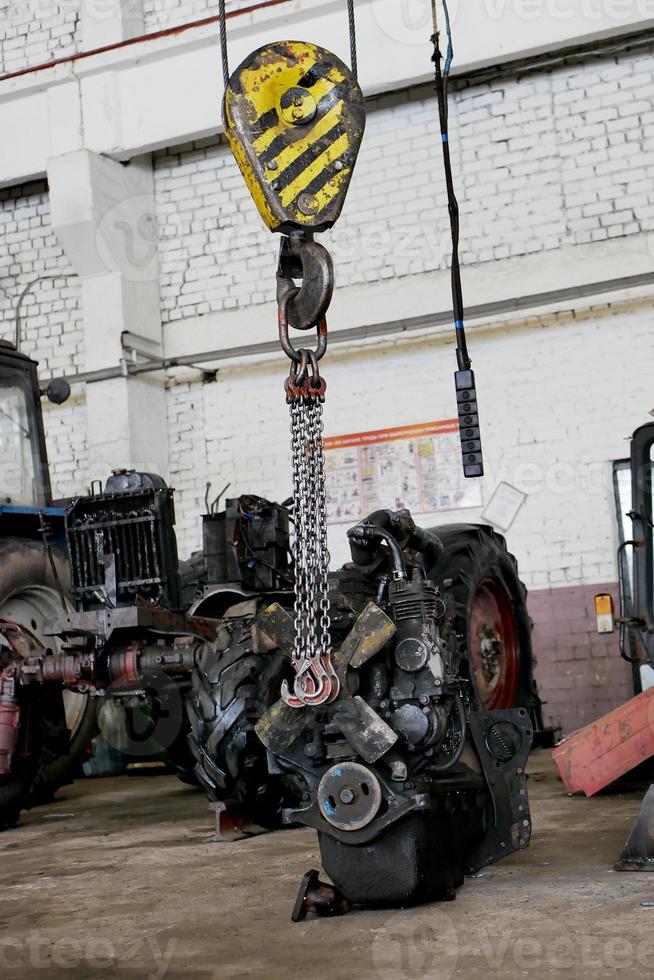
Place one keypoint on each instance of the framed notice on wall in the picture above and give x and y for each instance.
(414, 466)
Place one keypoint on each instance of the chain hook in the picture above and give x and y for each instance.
(302, 258)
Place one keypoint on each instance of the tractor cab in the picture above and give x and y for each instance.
(24, 477)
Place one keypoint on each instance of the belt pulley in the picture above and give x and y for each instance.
(294, 118)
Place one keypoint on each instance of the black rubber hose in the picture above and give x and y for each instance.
(428, 544)
(364, 534)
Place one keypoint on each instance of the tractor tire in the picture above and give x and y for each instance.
(61, 724)
(232, 687)
(178, 755)
(486, 605)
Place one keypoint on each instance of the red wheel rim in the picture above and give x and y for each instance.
(494, 646)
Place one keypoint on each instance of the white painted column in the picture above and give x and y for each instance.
(110, 21)
(103, 215)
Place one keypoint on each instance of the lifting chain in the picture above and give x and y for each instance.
(294, 118)
(316, 681)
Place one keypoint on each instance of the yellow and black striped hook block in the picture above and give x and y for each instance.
(294, 116)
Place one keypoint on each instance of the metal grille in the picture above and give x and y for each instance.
(135, 531)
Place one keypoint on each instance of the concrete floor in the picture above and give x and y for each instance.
(119, 877)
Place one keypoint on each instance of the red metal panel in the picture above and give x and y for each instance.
(595, 756)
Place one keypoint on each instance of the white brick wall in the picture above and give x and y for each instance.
(65, 434)
(51, 318)
(555, 159)
(36, 31)
(190, 466)
(554, 417)
(159, 14)
(214, 252)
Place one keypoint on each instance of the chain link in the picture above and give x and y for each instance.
(312, 609)
(323, 556)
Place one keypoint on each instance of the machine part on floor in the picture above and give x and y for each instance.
(592, 758)
(240, 676)
(459, 829)
(233, 823)
(638, 852)
(408, 780)
(317, 897)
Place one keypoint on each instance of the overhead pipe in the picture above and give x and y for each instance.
(18, 322)
(370, 331)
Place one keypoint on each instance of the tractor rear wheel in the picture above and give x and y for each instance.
(233, 685)
(487, 607)
(61, 724)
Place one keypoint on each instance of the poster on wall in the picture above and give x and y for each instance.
(414, 466)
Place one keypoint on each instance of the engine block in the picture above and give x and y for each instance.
(408, 781)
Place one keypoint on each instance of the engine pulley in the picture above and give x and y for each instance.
(349, 796)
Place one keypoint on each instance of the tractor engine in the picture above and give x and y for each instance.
(408, 781)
